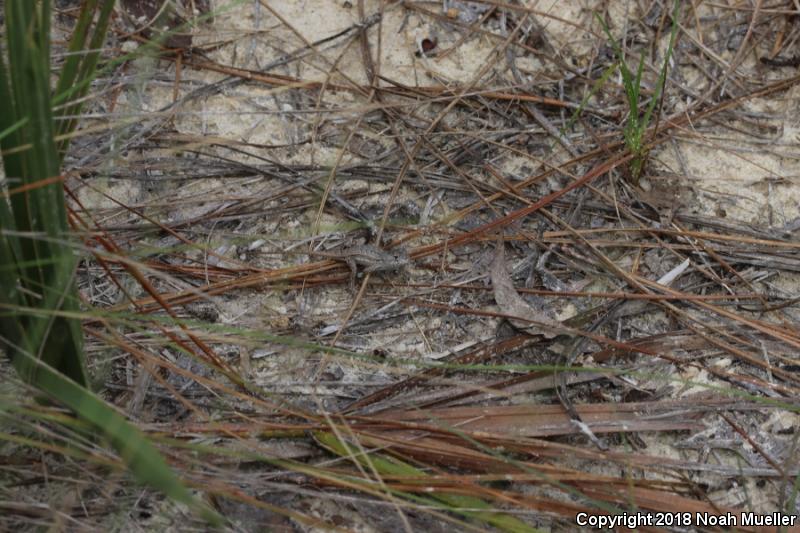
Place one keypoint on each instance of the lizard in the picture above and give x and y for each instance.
(372, 258)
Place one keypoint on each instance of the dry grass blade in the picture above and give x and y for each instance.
(550, 420)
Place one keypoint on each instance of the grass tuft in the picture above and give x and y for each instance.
(39, 329)
(637, 123)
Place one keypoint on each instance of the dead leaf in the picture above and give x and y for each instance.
(525, 317)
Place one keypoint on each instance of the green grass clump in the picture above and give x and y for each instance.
(40, 330)
(637, 124)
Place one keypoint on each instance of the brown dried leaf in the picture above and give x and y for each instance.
(525, 317)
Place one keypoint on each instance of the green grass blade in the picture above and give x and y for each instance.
(636, 87)
(596, 86)
(627, 79)
(140, 456)
(662, 77)
(479, 510)
(80, 68)
(36, 263)
(69, 71)
(11, 128)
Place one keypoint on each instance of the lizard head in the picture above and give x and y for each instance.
(401, 257)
